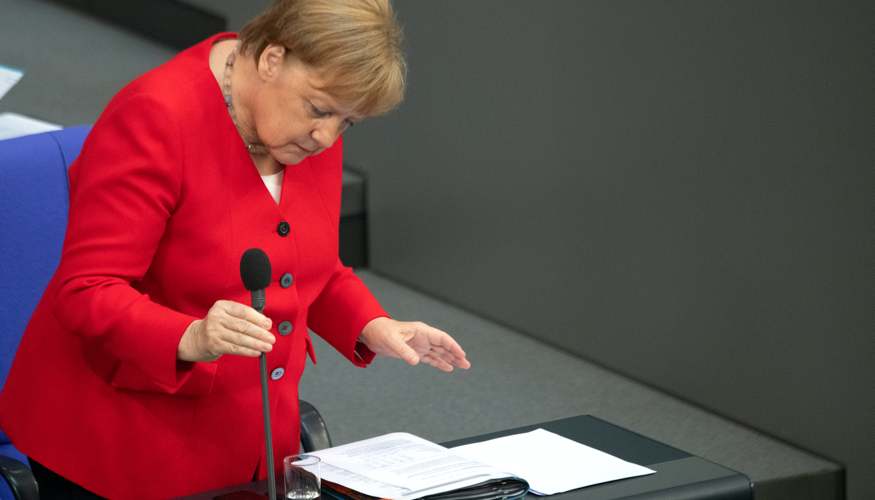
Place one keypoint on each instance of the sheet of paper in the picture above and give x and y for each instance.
(401, 466)
(8, 78)
(551, 463)
(15, 125)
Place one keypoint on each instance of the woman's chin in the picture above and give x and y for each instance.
(289, 158)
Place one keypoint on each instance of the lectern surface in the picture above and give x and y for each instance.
(679, 475)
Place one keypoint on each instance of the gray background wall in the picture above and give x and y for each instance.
(681, 191)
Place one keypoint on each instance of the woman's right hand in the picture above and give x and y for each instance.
(229, 328)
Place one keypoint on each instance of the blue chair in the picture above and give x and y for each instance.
(34, 201)
(33, 217)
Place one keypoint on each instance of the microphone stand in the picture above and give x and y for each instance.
(268, 440)
(258, 303)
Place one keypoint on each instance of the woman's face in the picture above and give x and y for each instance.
(293, 118)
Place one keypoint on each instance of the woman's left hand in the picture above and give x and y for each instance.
(413, 342)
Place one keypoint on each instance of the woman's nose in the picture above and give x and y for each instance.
(327, 132)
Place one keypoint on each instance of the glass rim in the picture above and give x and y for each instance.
(302, 459)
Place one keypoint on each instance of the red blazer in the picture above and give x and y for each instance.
(164, 200)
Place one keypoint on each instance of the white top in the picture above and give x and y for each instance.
(274, 184)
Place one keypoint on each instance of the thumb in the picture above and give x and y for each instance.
(398, 346)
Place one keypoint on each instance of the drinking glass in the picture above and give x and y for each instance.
(302, 478)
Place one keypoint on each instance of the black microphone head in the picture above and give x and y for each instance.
(255, 269)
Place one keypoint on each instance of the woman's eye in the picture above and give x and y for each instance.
(318, 112)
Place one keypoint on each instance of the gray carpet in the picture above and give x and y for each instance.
(515, 381)
(72, 64)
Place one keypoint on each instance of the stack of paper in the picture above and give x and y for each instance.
(551, 463)
(13, 124)
(401, 466)
(8, 78)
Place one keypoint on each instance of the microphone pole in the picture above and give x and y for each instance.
(265, 404)
(256, 274)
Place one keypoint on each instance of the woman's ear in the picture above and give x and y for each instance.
(271, 61)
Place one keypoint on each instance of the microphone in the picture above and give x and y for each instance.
(255, 272)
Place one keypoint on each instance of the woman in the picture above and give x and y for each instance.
(137, 376)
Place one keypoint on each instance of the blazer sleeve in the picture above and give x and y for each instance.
(345, 305)
(342, 310)
(124, 187)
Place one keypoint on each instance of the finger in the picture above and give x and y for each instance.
(441, 346)
(437, 363)
(397, 345)
(448, 359)
(238, 325)
(444, 340)
(245, 312)
(452, 347)
(225, 334)
(422, 347)
(240, 350)
(438, 353)
(446, 348)
(239, 342)
(217, 341)
(462, 363)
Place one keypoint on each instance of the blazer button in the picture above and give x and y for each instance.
(286, 280)
(283, 228)
(277, 374)
(285, 328)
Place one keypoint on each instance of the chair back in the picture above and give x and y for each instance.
(34, 201)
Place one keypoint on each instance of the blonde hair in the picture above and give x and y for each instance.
(354, 44)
